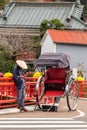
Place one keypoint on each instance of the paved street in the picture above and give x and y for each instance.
(12, 119)
(42, 123)
(62, 111)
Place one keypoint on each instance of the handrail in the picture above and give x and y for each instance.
(8, 91)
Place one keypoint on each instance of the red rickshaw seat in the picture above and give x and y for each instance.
(55, 81)
(55, 75)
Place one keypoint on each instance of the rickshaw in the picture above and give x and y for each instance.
(57, 81)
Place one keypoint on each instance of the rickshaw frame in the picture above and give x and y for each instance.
(70, 87)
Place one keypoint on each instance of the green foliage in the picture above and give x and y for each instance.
(6, 66)
(56, 24)
(6, 63)
(3, 3)
(36, 46)
(85, 11)
(52, 24)
(83, 1)
(44, 26)
(70, 0)
(36, 41)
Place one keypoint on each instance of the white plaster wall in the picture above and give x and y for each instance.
(48, 45)
(77, 53)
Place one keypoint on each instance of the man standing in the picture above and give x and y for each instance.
(20, 83)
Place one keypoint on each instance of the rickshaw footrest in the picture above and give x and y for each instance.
(49, 108)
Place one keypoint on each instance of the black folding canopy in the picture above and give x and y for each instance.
(60, 60)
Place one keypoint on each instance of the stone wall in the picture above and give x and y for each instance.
(35, 0)
(15, 43)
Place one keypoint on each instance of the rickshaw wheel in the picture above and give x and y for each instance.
(39, 92)
(72, 95)
(41, 98)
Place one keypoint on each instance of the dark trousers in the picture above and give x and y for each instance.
(20, 97)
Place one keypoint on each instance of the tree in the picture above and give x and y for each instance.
(51, 24)
(83, 1)
(6, 63)
(17, 43)
(70, 0)
(85, 12)
(3, 3)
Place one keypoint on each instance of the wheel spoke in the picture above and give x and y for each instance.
(72, 96)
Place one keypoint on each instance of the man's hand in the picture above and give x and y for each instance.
(22, 76)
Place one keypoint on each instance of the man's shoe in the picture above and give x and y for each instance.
(23, 109)
(18, 107)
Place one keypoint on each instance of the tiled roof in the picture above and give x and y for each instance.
(68, 36)
(30, 15)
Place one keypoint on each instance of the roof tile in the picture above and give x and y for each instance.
(68, 36)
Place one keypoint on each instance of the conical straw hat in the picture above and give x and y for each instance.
(22, 64)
